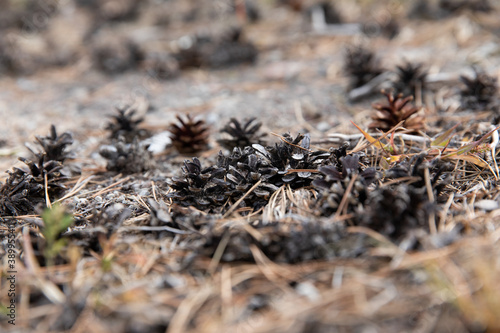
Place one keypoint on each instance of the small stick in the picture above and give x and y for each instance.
(148, 228)
(108, 188)
(343, 202)
(78, 186)
(338, 137)
(154, 191)
(46, 183)
(430, 194)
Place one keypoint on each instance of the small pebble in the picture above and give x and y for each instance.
(487, 205)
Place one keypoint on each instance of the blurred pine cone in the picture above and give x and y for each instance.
(114, 55)
(124, 124)
(334, 183)
(224, 50)
(189, 136)
(127, 157)
(300, 241)
(361, 66)
(454, 6)
(480, 92)
(410, 78)
(161, 66)
(241, 135)
(394, 212)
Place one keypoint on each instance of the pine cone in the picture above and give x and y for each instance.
(24, 190)
(14, 195)
(282, 242)
(394, 212)
(398, 109)
(410, 77)
(161, 66)
(454, 6)
(480, 93)
(294, 154)
(114, 55)
(229, 54)
(215, 52)
(201, 188)
(189, 136)
(439, 173)
(243, 170)
(223, 184)
(54, 146)
(241, 135)
(361, 65)
(123, 124)
(333, 185)
(112, 10)
(127, 157)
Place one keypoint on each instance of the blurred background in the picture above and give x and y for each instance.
(71, 62)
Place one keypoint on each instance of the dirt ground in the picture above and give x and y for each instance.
(153, 281)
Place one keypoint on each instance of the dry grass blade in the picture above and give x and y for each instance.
(430, 194)
(80, 185)
(218, 253)
(46, 188)
(188, 308)
(110, 187)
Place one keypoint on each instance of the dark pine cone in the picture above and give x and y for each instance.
(229, 54)
(294, 160)
(329, 11)
(454, 6)
(282, 242)
(234, 175)
(394, 212)
(201, 188)
(215, 52)
(114, 55)
(127, 157)
(54, 146)
(334, 183)
(243, 169)
(112, 10)
(161, 66)
(189, 136)
(410, 78)
(361, 66)
(123, 124)
(222, 185)
(398, 109)
(480, 93)
(439, 174)
(24, 190)
(241, 135)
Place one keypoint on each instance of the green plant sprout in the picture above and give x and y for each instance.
(56, 220)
